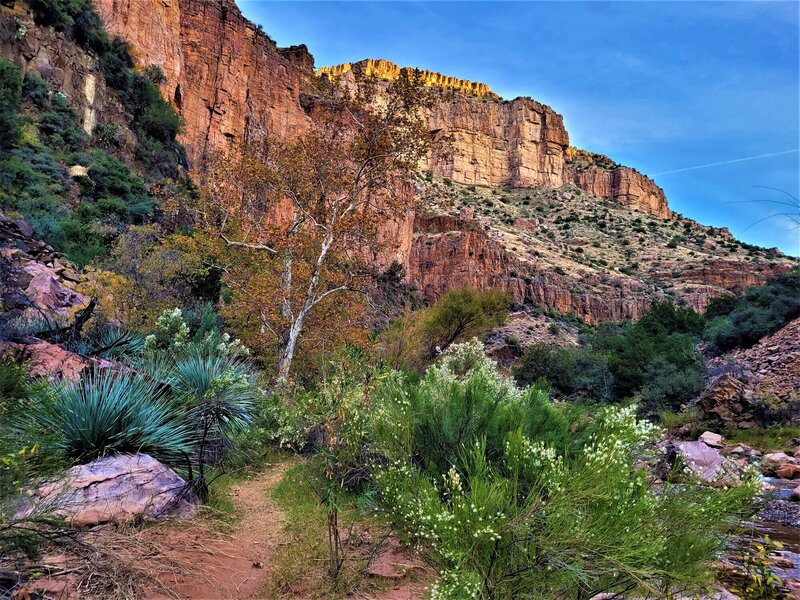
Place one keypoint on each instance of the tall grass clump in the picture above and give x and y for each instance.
(109, 413)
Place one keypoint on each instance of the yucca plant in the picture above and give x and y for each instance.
(109, 413)
(219, 396)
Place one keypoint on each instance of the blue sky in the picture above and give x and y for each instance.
(659, 86)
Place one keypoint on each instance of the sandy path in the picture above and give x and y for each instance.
(215, 566)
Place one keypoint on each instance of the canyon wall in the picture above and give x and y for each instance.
(625, 186)
(228, 80)
(520, 143)
(225, 76)
(516, 143)
(449, 253)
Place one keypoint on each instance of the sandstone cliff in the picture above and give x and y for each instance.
(516, 207)
(517, 143)
(384, 69)
(223, 74)
(229, 80)
(625, 186)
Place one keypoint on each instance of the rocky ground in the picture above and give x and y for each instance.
(570, 252)
(777, 519)
(746, 383)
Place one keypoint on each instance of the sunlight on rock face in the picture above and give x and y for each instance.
(384, 69)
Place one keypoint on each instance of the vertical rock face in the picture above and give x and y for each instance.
(226, 78)
(518, 144)
(625, 186)
(229, 80)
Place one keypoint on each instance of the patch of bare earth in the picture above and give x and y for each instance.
(195, 560)
(171, 560)
(222, 566)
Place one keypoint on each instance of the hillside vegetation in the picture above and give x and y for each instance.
(229, 348)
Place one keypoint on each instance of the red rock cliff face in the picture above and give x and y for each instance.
(226, 78)
(449, 253)
(521, 143)
(229, 80)
(625, 186)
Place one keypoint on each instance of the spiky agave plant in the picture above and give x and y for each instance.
(219, 396)
(110, 412)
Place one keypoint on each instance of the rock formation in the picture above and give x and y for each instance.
(757, 381)
(115, 489)
(384, 69)
(229, 80)
(35, 281)
(520, 143)
(66, 67)
(705, 463)
(51, 360)
(625, 186)
(223, 74)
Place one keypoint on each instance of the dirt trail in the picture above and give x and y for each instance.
(218, 566)
(196, 560)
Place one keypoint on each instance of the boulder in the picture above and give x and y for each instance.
(788, 471)
(50, 360)
(711, 439)
(701, 461)
(115, 489)
(795, 494)
(47, 293)
(742, 450)
(774, 461)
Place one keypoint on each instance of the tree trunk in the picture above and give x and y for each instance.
(286, 351)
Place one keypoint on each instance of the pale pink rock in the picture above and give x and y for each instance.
(711, 439)
(115, 489)
(704, 462)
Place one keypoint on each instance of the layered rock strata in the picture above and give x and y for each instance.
(226, 77)
(229, 80)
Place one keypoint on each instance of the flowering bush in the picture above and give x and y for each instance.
(509, 496)
(171, 338)
(171, 332)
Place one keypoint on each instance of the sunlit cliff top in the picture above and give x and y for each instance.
(384, 69)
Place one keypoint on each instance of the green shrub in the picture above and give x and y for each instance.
(569, 371)
(10, 98)
(463, 313)
(218, 395)
(108, 413)
(655, 356)
(36, 90)
(59, 125)
(506, 509)
(23, 445)
(413, 341)
(741, 322)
